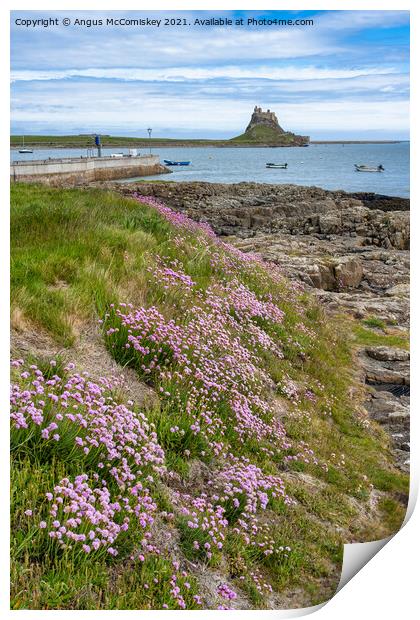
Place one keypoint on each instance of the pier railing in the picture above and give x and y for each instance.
(70, 160)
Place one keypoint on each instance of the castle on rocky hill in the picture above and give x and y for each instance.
(263, 129)
(268, 118)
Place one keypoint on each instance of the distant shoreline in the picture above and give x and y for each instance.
(62, 142)
(358, 141)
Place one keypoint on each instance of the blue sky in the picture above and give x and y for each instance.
(347, 76)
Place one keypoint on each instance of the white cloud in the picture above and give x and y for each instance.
(195, 80)
(197, 46)
(180, 74)
(134, 109)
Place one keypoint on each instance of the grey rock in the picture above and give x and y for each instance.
(390, 354)
(348, 272)
(385, 372)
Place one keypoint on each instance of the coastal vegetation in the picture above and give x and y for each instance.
(84, 141)
(368, 335)
(261, 138)
(266, 135)
(187, 427)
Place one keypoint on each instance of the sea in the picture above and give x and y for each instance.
(330, 166)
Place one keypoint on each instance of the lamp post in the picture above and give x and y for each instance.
(149, 131)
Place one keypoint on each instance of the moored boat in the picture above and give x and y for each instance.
(170, 162)
(271, 165)
(365, 168)
(24, 149)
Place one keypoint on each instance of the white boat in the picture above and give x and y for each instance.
(364, 168)
(24, 149)
(271, 165)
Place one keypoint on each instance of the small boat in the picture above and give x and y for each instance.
(364, 168)
(24, 149)
(169, 162)
(271, 165)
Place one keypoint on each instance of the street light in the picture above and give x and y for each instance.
(149, 131)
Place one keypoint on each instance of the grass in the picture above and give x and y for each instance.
(92, 253)
(374, 321)
(371, 336)
(83, 142)
(76, 252)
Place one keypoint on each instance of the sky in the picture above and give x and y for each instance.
(344, 77)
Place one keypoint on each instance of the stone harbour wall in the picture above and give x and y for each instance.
(79, 171)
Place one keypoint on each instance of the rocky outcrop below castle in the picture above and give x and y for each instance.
(351, 250)
(264, 129)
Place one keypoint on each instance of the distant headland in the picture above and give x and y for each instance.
(263, 130)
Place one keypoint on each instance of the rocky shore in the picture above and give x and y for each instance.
(351, 250)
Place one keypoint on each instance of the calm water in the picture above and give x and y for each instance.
(326, 165)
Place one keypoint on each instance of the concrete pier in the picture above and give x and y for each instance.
(84, 169)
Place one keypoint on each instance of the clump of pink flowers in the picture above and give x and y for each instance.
(225, 591)
(210, 359)
(178, 220)
(80, 420)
